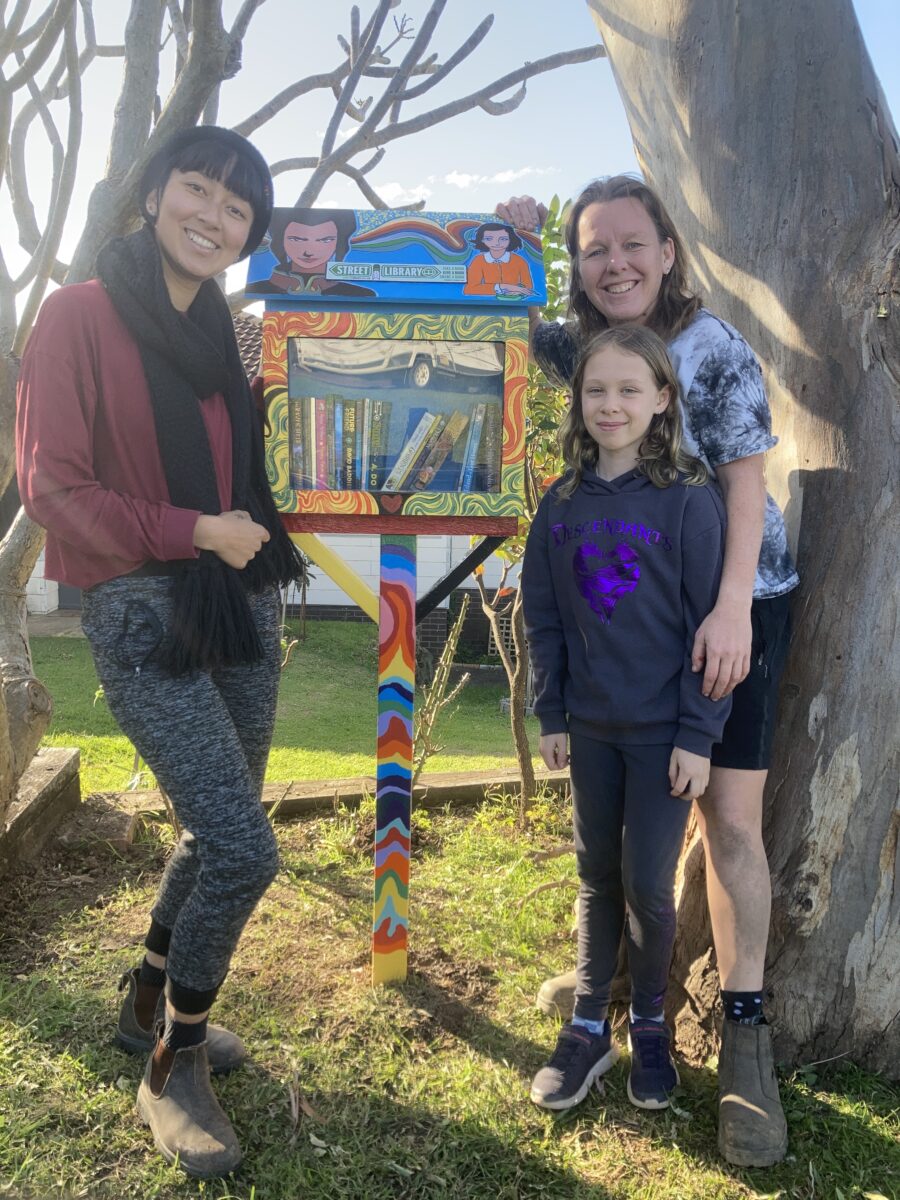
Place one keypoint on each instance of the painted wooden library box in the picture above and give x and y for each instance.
(395, 348)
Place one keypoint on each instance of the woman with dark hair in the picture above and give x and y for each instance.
(497, 271)
(305, 241)
(140, 451)
(628, 265)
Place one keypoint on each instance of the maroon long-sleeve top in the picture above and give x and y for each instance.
(88, 461)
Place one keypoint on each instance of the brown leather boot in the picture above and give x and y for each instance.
(143, 1007)
(752, 1128)
(187, 1122)
(556, 996)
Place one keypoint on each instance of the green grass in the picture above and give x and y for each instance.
(413, 1091)
(326, 713)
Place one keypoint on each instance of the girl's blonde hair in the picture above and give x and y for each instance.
(661, 456)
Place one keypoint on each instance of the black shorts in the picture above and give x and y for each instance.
(746, 744)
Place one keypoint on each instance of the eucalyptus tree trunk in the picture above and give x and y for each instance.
(765, 130)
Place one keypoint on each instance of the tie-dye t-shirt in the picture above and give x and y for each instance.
(726, 414)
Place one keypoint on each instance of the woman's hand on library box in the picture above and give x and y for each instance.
(688, 774)
(234, 536)
(555, 751)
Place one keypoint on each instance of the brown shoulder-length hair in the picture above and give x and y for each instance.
(661, 455)
(676, 305)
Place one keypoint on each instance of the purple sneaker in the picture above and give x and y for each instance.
(579, 1059)
(653, 1075)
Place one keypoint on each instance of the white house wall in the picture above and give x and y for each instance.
(436, 556)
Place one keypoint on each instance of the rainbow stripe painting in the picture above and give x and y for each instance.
(393, 795)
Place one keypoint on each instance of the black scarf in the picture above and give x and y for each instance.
(187, 357)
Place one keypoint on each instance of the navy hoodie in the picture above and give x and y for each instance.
(615, 582)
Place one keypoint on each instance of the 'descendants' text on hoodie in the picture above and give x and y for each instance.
(615, 582)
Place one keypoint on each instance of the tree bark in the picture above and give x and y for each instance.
(766, 132)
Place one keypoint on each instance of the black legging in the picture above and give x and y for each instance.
(628, 834)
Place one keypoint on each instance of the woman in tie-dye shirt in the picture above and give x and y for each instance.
(628, 264)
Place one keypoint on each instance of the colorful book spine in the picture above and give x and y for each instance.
(448, 438)
(295, 436)
(430, 442)
(381, 419)
(489, 452)
(350, 479)
(309, 426)
(366, 443)
(321, 442)
(339, 444)
(357, 445)
(467, 473)
(409, 453)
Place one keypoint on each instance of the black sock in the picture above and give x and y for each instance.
(179, 1035)
(743, 1007)
(150, 976)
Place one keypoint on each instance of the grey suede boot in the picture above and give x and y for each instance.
(187, 1122)
(752, 1128)
(556, 996)
(225, 1050)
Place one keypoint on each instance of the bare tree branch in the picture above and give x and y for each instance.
(43, 46)
(361, 58)
(23, 209)
(134, 108)
(10, 35)
(179, 29)
(471, 43)
(502, 108)
(364, 140)
(301, 88)
(45, 255)
(238, 30)
(380, 108)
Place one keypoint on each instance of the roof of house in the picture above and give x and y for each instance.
(249, 338)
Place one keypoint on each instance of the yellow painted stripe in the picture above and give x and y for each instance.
(339, 572)
(388, 967)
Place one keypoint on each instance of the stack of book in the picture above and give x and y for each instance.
(343, 445)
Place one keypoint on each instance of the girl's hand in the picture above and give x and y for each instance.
(555, 751)
(234, 536)
(523, 212)
(688, 774)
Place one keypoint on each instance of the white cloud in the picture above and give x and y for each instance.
(462, 179)
(397, 193)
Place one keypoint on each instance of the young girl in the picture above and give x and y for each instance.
(140, 451)
(621, 566)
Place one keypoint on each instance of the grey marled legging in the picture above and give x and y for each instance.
(206, 738)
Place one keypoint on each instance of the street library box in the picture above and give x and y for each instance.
(395, 353)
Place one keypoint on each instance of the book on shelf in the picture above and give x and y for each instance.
(321, 407)
(381, 419)
(349, 445)
(409, 453)
(337, 475)
(447, 439)
(296, 438)
(422, 457)
(467, 472)
(487, 462)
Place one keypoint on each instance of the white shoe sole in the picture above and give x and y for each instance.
(651, 1103)
(598, 1069)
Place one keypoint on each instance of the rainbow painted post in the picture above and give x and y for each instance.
(393, 795)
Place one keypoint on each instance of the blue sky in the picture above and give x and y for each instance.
(570, 127)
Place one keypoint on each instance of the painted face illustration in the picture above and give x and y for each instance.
(309, 247)
(496, 241)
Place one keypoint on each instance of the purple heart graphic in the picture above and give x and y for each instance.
(604, 577)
